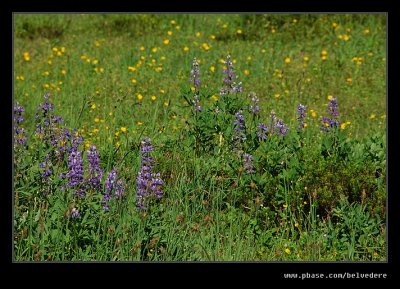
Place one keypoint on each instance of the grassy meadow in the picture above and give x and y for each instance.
(221, 137)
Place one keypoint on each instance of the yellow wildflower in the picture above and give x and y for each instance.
(27, 57)
(206, 46)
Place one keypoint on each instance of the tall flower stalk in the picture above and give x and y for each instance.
(275, 126)
(149, 184)
(75, 173)
(332, 121)
(231, 86)
(46, 126)
(301, 111)
(95, 172)
(195, 75)
(114, 189)
(248, 164)
(239, 131)
(20, 137)
(254, 108)
(195, 80)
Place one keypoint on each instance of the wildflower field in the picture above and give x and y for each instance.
(221, 137)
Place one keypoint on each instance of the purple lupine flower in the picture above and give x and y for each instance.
(280, 128)
(75, 140)
(113, 188)
(46, 166)
(262, 131)
(273, 118)
(196, 103)
(109, 184)
(276, 126)
(46, 126)
(195, 74)
(75, 173)
(75, 213)
(47, 173)
(156, 185)
(254, 108)
(148, 183)
(239, 131)
(301, 111)
(95, 172)
(119, 189)
(248, 164)
(19, 132)
(333, 107)
(230, 84)
(61, 143)
(327, 122)
(18, 110)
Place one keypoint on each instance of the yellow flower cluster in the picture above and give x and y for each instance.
(344, 37)
(358, 60)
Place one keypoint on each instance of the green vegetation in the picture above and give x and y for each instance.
(232, 189)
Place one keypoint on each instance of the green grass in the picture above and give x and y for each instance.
(315, 195)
